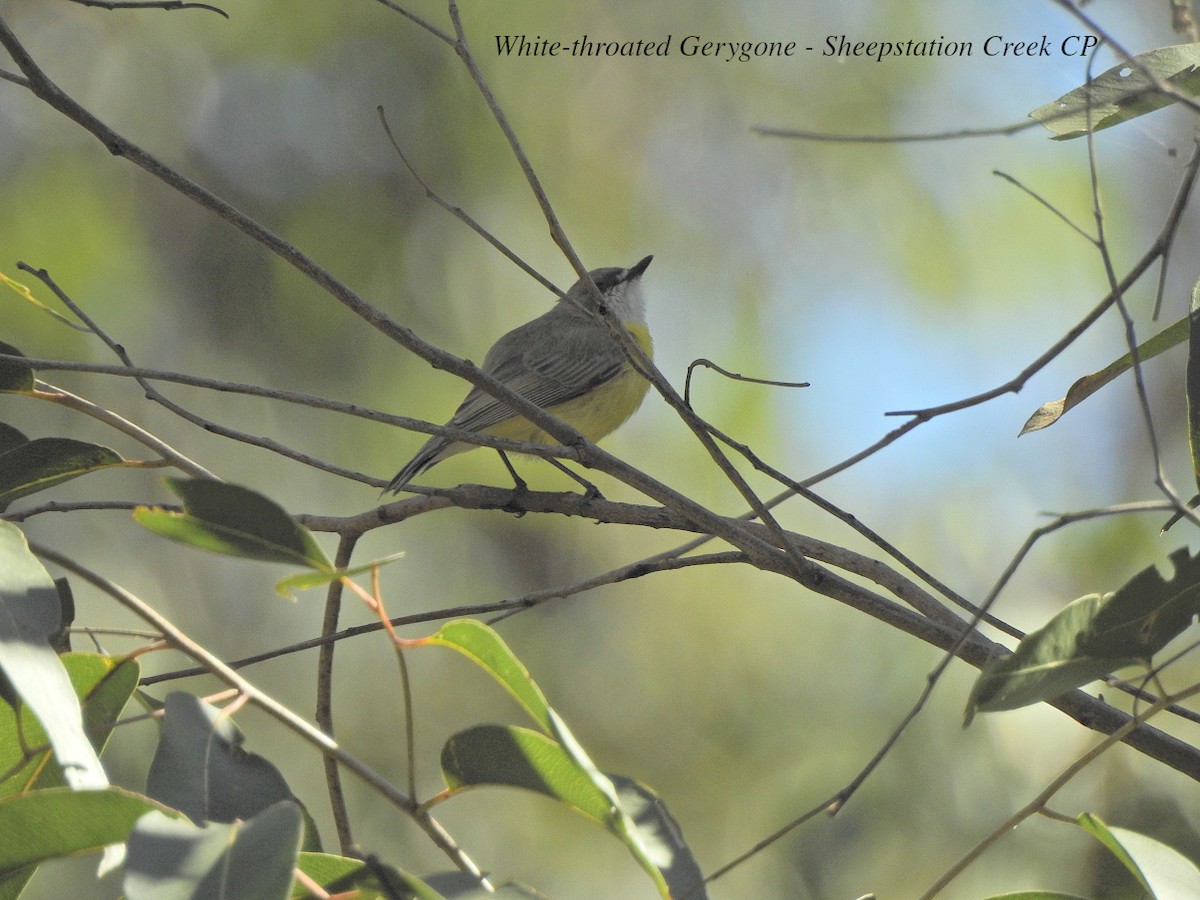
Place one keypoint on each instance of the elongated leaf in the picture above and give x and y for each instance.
(305, 580)
(251, 860)
(102, 684)
(201, 769)
(45, 825)
(1160, 869)
(45, 462)
(233, 520)
(510, 756)
(14, 377)
(10, 438)
(1123, 92)
(1049, 413)
(29, 617)
(1092, 637)
(372, 879)
(482, 645)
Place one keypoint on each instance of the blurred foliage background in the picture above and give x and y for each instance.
(890, 276)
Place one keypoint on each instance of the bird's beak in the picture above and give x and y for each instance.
(637, 270)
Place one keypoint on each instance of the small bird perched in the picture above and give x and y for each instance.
(567, 362)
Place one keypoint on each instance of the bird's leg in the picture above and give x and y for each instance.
(590, 490)
(518, 482)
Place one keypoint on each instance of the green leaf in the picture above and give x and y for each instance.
(1160, 869)
(44, 462)
(10, 438)
(44, 825)
(1092, 637)
(1123, 92)
(306, 580)
(30, 614)
(1049, 413)
(374, 880)
(510, 756)
(250, 860)
(27, 295)
(102, 684)
(201, 769)
(484, 647)
(233, 520)
(14, 377)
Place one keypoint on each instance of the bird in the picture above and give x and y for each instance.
(568, 362)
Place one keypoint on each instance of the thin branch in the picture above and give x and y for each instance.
(735, 376)
(504, 607)
(324, 706)
(459, 213)
(828, 138)
(150, 4)
(1046, 203)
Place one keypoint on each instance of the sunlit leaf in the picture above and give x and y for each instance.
(1163, 871)
(103, 685)
(1092, 637)
(1123, 92)
(233, 520)
(510, 756)
(30, 614)
(306, 580)
(1051, 412)
(483, 646)
(48, 824)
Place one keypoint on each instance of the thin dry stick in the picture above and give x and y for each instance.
(734, 376)
(828, 138)
(324, 706)
(504, 607)
(150, 4)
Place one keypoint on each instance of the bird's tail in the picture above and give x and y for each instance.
(431, 453)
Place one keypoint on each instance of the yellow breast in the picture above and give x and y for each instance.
(597, 413)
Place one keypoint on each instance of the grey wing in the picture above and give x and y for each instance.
(577, 360)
